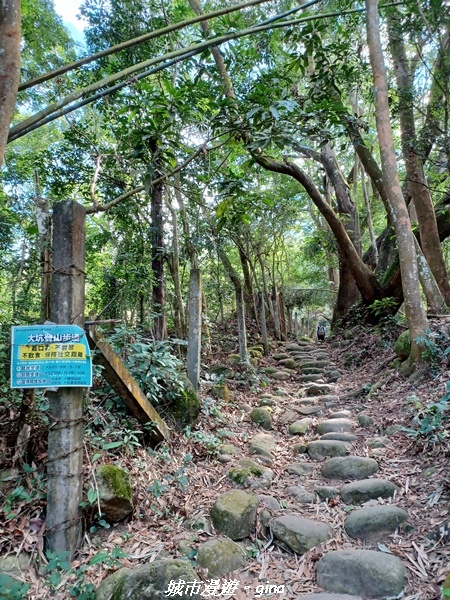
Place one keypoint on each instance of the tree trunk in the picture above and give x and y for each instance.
(347, 294)
(435, 300)
(248, 285)
(417, 185)
(262, 318)
(44, 245)
(195, 328)
(276, 314)
(373, 239)
(158, 291)
(240, 307)
(415, 314)
(9, 66)
(347, 291)
(174, 266)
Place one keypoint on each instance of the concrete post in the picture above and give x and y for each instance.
(195, 327)
(66, 429)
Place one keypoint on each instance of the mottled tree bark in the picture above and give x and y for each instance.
(416, 182)
(9, 66)
(415, 313)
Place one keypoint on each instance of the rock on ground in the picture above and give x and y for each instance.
(148, 582)
(324, 448)
(220, 556)
(371, 522)
(367, 573)
(349, 467)
(360, 491)
(298, 533)
(234, 514)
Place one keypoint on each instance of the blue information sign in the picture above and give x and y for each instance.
(52, 356)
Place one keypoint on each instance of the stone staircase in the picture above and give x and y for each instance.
(322, 432)
(342, 574)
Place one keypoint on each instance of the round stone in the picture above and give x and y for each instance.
(343, 437)
(333, 425)
(377, 442)
(363, 490)
(342, 414)
(372, 522)
(220, 556)
(298, 533)
(300, 494)
(326, 492)
(261, 417)
(365, 420)
(349, 467)
(234, 514)
(367, 573)
(324, 448)
(300, 468)
(300, 427)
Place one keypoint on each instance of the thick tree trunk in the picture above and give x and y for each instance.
(9, 66)
(417, 185)
(348, 293)
(415, 314)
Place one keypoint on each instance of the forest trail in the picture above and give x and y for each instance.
(345, 503)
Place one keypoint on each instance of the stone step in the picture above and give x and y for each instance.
(349, 467)
(363, 490)
(298, 533)
(325, 448)
(334, 425)
(365, 573)
(336, 435)
(372, 522)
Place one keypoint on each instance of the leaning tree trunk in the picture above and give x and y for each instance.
(9, 66)
(415, 314)
(417, 185)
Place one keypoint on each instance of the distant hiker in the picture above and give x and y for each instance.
(321, 331)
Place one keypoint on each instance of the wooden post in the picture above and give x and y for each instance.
(66, 429)
(195, 327)
(262, 318)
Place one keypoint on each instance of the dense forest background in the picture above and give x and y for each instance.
(291, 162)
(258, 154)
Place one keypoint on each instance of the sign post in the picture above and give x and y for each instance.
(66, 426)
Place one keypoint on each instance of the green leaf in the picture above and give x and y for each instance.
(275, 113)
(92, 495)
(96, 456)
(99, 558)
(111, 445)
